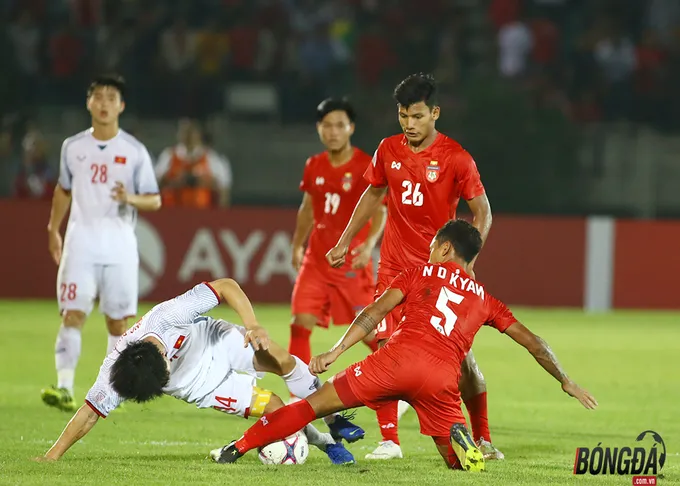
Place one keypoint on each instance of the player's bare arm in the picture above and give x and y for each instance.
(362, 326)
(540, 350)
(143, 202)
(61, 200)
(81, 423)
(364, 252)
(366, 207)
(303, 226)
(481, 219)
(231, 293)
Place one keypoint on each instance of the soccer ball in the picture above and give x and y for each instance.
(291, 450)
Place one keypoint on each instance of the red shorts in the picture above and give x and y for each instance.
(394, 372)
(332, 294)
(389, 324)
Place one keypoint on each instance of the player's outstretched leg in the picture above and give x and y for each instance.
(282, 423)
(301, 383)
(473, 392)
(470, 457)
(264, 402)
(66, 355)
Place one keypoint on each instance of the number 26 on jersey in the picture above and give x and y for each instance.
(411, 195)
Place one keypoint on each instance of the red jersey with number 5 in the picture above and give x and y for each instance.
(335, 191)
(424, 190)
(443, 310)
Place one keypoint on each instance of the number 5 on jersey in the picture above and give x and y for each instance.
(450, 317)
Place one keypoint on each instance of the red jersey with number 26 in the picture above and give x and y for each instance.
(424, 190)
(443, 310)
(335, 191)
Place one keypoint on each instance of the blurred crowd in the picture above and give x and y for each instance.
(587, 60)
(607, 58)
(600, 60)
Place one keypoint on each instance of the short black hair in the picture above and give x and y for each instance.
(416, 88)
(140, 372)
(112, 80)
(335, 104)
(465, 238)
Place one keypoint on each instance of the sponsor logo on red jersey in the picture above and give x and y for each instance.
(347, 182)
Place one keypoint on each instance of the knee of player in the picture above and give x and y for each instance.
(140, 372)
(74, 318)
(307, 321)
(116, 327)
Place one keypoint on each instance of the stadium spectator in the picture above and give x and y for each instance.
(35, 178)
(515, 42)
(191, 174)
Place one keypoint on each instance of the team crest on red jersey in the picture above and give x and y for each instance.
(347, 182)
(432, 172)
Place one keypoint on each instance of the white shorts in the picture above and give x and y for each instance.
(79, 283)
(235, 394)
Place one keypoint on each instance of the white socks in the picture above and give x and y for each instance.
(300, 381)
(316, 438)
(66, 354)
(111, 343)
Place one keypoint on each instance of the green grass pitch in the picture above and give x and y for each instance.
(628, 360)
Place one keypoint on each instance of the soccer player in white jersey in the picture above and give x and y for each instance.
(177, 351)
(105, 176)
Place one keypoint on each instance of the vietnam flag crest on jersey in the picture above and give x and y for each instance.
(432, 172)
(120, 160)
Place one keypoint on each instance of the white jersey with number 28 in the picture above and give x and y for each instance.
(101, 230)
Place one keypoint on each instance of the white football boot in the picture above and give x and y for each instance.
(386, 450)
(489, 451)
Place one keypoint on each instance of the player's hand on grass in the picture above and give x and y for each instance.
(55, 245)
(336, 256)
(118, 193)
(258, 337)
(43, 459)
(319, 364)
(298, 255)
(362, 255)
(586, 399)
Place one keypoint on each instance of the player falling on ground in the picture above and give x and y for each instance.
(427, 173)
(332, 184)
(177, 351)
(105, 176)
(443, 309)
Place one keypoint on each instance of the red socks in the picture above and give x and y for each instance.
(299, 342)
(451, 457)
(388, 421)
(479, 417)
(276, 426)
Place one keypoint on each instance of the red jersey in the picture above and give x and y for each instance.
(335, 191)
(443, 310)
(424, 190)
